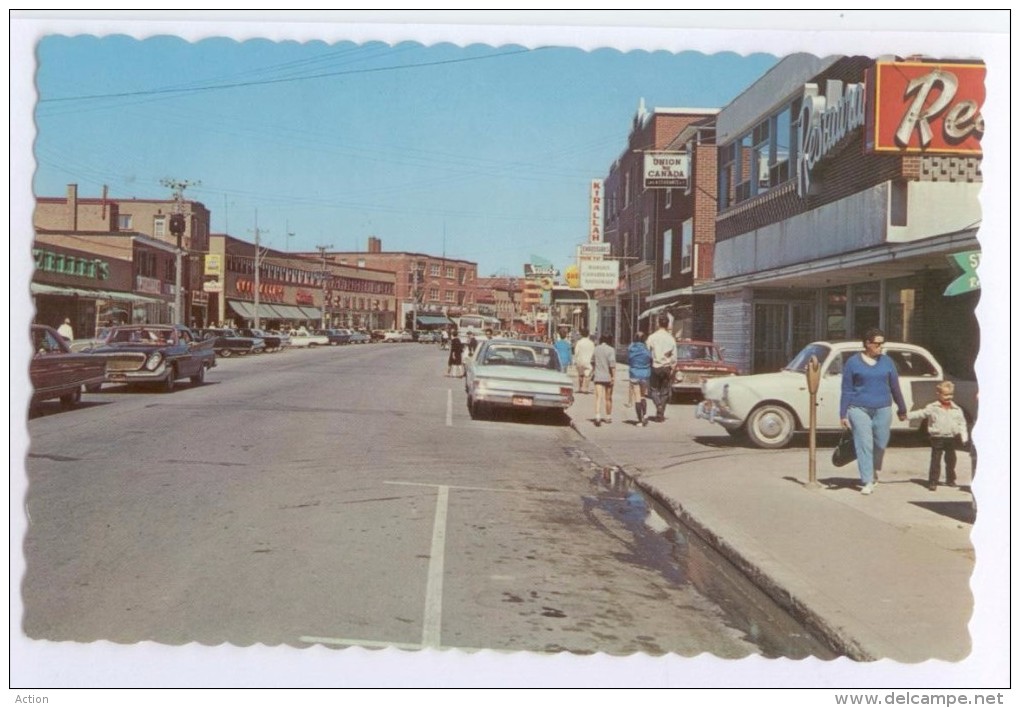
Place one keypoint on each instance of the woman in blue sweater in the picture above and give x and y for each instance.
(870, 385)
(639, 361)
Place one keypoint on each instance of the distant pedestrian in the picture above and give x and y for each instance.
(472, 345)
(604, 375)
(444, 339)
(455, 362)
(662, 345)
(65, 330)
(563, 349)
(639, 363)
(583, 351)
(946, 424)
(870, 386)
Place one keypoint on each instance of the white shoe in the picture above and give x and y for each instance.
(868, 488)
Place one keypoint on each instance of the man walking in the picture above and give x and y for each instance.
(583, 351)
(563, 350)
(604, 374)
(662, 346)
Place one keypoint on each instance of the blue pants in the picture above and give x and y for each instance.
(870, 428)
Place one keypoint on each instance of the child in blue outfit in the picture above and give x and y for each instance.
(946, 423)
(639, 361)
(870, 386)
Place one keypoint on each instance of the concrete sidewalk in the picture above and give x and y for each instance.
(879, 576)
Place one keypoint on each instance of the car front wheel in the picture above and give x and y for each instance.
(199, 377)
(225, 353)
(171, 381)
(771, 426)
(70, 400)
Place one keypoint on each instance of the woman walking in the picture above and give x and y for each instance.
(870, 386)
(456, 356)
(639, 363)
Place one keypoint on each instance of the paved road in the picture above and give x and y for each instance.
(343, 496)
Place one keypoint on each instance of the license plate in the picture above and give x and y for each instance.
(522, 401)
(117, 377)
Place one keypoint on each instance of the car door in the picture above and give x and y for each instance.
(918, 373)
(830, 389)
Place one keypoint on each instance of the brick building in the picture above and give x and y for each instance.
(839, 211)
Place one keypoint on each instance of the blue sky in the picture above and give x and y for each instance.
(482, 152)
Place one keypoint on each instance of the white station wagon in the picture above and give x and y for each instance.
(770, 408)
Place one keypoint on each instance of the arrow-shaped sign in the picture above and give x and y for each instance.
(968, 261)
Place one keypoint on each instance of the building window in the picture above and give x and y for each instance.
(687, 247)
(449, 271)
(898, 191)
(626, 190)
(667, 253)
(669, 198)
(159, 227)
(434, 270)
(647, 245)
(124, 222)
(434, 294)
(450, 296)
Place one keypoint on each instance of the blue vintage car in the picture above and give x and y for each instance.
(154, 354)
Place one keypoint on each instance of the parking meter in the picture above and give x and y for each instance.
(813, 374)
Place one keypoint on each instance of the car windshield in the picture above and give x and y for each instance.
(143, 336)
(800, 362)
(697, 351)
(531, 356)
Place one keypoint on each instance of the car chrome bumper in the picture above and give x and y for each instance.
(710, 411)
(511, 400)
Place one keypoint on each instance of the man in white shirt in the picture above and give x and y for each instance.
(662, 345)
(583, 351)
(65, 330)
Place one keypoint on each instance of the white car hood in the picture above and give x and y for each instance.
(759, 384)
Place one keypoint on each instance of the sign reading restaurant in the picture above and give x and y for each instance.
(926, 107)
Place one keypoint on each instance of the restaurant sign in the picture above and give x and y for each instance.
(926, 108)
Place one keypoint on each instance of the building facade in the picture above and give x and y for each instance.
(645, 224)
(148, 217)
(848, 189)
(425, 286)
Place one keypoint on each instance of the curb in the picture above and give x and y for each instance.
(836, 637)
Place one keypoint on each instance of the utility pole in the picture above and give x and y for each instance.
(178, 225)
(259, 253)
(325, 275)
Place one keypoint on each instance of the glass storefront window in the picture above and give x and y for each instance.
(902, 297)
(835, 314)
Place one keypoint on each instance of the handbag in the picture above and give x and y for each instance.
(845, 452)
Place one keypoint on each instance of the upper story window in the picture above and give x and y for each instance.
(124, 222)
(434, 270)
(667, 253)
(758, 160)
(687, 247)
(669, 198)
(449, 271)
(159, 227)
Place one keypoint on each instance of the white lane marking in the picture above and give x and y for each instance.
(449, 407)
(430, 633)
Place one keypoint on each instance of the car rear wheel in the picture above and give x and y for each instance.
(70, 400)
(225, 353)
(93, 388)
(199, 377)
(476, 409)
(771, 426)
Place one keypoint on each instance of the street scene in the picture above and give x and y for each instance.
(688, 372)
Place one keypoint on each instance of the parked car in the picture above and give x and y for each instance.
(517, 374)
(273, 342)
(228, 342)
(155, 354)
(57, 372)
(397, 335)
(304, 338)
(283, 336)
(429, 337)
(359, 337)
(377, 335)
(78, 345)
(335, 336)
(697, 362)
(771, 408)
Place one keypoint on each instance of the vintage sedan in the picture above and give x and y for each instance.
(155, 354)
(57, 372)
(273, 342)
(335, 336)
(228, 342)
(359, 337)
(770, 408)
(516, 374)
(302, 338)
(696, 363)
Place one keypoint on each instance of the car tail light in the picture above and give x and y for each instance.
(566, 391)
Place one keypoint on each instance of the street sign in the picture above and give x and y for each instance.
(600, 275)
(593, 251)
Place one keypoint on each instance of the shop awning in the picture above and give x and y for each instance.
(42, 289)
(310, 313)
(431, 320)
(657, 309)
(244, 309)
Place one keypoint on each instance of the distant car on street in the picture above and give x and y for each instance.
(396, 335)
(770, 408)
(335, 336)
(273, 342)
(154, 354)
(359, 337)
(697, 362)
(57, 372)
(228, 342)
(429, 337)
(304, 339)
(516, 374)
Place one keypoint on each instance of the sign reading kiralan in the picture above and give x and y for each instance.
(600, 275)
(595, 207)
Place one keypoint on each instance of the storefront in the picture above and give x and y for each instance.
(847, 205)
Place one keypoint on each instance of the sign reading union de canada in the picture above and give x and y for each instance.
(927, 107)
